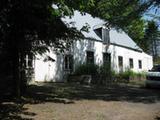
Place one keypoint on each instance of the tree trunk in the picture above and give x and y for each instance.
(23, 73)
(16, 71)
(155, 49)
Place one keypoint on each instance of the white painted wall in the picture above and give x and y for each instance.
(80, 48)
(54, 71)
(147, 61)
(49, 71)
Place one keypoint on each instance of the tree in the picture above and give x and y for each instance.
(151, 38)
(120, 13)
(28, 27)
(136, 31)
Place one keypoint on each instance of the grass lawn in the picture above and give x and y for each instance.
(59, 101)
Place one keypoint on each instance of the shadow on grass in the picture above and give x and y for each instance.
(67, 93)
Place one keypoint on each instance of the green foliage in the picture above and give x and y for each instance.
(136, 31)
(151, 38)
(87, 69)
(157, 60)
(126, 76)
(31, 27)
(105, 69)
(145, 35)
(93, 69)
(141, 74)
(104, 74)
(119, 13)
(101, 74)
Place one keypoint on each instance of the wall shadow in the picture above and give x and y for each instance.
(68, 93)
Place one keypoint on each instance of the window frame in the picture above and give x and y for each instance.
(131, 63)
(105, 36)
(140, 64)
(120, 65)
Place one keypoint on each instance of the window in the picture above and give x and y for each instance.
(90, 57)
(140, 64)
(105, 36)
(131, 63)
(103, 33)
(98, 31)
(68, 62)
(120, 63)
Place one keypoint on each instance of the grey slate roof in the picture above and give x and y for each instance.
(116, 37)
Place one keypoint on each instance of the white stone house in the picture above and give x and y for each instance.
(100, 45)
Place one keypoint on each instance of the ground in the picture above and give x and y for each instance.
(50, 101)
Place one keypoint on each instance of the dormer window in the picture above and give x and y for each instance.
(103, 33)
(105, 36)
(98, 31)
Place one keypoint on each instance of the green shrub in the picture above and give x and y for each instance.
(87, 69)
(105, 69)
(129, 75)
(104, 74)
(141, 74)
(101, 74)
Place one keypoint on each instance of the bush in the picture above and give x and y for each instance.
(141, 74)
(129, 75)
(100, 74)
(104, 74)
(86, 69)
(105, 70)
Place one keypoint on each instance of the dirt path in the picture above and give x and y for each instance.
(95, 110)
